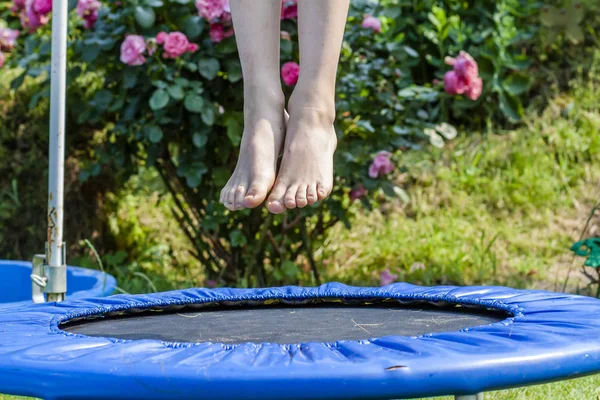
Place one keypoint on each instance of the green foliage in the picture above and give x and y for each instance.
(590, 249)
(183, 116)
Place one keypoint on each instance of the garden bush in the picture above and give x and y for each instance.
(160, 83)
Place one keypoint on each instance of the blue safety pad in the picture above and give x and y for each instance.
(550, 337)
(15, 283)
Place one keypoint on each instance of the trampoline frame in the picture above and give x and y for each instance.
(550, 336)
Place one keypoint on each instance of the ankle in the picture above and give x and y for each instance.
(312, 107)
(267, 95)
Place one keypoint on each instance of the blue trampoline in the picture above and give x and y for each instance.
(15, 285)
(329, 342)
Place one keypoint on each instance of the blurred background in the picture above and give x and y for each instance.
(469, 147)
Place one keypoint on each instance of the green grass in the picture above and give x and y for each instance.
(496, 208)
(577, 389)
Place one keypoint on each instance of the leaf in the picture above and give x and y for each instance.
(234, 71)
(552, 17)
(176, 92)
(159, 99)
(129, 77)
(193, 27)
(145, 17)
(511, 107)
(199, 139)
(237, 238)
(18, 81)
(209, 68)
(102, 99)
(194, 103)
(575, 33)
(446, 130)
(154, 133)
(290, 269)
(234, 130)
(208, 116)
(516, 84)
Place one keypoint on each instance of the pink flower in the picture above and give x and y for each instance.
(88, 10)
(132, 50)
(32, 19)
(454, 84)
(218, 33)
(42, 6)
(381, 165)
(289, 9)
(176, 44)
(18, 5)
(475, 89)
(290, 71)
(387, 278)
(161, 37)
(371, 22)
(2, 59)
(8, 38)
(358, 192)
(213, 9)
(464, 78)
(464, 65)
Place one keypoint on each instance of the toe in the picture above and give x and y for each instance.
(230, 200)
(256, 195)
(290, 197)
(311, 195)
(240, 193)
(301, 200)
(322, 191)
(275, 204)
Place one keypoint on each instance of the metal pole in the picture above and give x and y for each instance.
(55, 252)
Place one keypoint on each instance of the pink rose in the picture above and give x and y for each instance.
(42, 6)
(2, 59)
(88, 10)
(358, 192)
(371, 22)
(192, 48)
(464, 65)
(176, 44)
(382, 165)
(289, 9)
(213, 9)
(218, 33)
(475, 89)
(290, 71)
(464, 78)
(454, 84)
(18, 5)
(32, 19)
(387, 278)
(8, 38)
(161, 37)
(132, 50)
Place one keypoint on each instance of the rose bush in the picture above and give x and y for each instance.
(162, 80)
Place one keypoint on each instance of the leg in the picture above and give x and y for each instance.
(257, 28)
(306, 173)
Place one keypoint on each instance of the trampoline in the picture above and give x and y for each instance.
(329, 342)
(15, 287)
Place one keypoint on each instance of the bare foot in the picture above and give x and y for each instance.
(306, 173)
(264, 132)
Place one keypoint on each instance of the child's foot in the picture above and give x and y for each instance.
(306, 173)
(264, 132)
